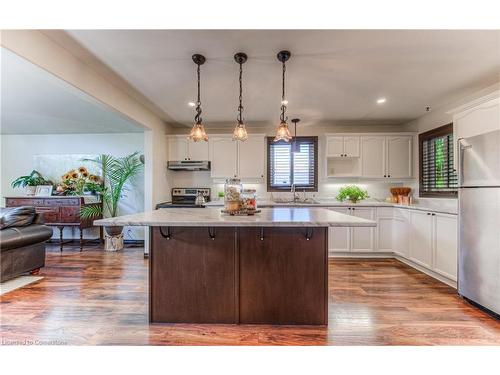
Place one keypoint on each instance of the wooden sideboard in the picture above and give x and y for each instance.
(58, 211)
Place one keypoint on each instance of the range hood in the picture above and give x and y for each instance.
(189, 165)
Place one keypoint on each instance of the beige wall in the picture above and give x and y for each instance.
(79, 70)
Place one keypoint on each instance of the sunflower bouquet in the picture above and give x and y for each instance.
(78, 182)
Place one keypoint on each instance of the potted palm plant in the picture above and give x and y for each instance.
(116, 173)
(30, 182)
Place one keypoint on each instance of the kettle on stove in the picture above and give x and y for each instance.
(200, 199)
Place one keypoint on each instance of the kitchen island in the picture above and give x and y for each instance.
(207, 267)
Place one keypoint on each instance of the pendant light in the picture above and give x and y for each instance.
(283, 132)
(198, 131)
(240, 131)
(295, 145)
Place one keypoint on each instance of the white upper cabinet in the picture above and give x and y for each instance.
(386, 156)
(373, 156)
(223, 157)
(230, 158)
(177, 148)
(399, 156)
(198, 150)
(342, 146)
(251, 157)
(351, 147)
(180, 148)
(334, 146)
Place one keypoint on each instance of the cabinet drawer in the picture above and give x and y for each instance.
(15, 202)
(62, 202)
(70, 214)
(50, 214)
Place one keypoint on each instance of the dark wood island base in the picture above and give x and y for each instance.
(239, 275)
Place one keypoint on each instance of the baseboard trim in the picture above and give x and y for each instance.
(408, 262)
(427, 271)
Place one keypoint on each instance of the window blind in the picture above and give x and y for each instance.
(437, 176)
(286, 167)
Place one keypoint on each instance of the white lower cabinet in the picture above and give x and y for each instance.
(385, 223)
(363, 239)
(421, 238)
(400, 232)
(352, 239)
(445, 245)
(426, 238)
(339, 238)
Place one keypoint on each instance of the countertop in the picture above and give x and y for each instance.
(325, 203)
(212, 217)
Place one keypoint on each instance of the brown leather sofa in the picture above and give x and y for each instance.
(22, 241)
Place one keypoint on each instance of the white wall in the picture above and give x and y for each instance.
(17, 153)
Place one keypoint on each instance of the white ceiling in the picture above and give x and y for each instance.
(34, 101)
(332, 74)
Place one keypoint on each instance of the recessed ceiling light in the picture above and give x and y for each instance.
(381, 100)
(191, 104)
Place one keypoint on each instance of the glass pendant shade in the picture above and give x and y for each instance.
(283, 133)
(240, 132)
(198, 133)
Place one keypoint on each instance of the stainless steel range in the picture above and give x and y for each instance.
(187, 197)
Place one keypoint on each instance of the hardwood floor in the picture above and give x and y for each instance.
(100, 298)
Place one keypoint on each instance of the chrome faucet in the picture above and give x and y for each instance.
(293, 193)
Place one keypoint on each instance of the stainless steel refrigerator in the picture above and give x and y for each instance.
(479, 220)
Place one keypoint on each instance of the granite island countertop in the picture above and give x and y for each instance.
(212, 217)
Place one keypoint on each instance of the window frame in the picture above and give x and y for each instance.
(422, 137)
(314, 188)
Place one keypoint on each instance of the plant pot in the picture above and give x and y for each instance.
(30, 190)
(354, 201)
(114, 230)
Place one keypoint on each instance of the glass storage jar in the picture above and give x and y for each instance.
(232, 194)
(249, 199)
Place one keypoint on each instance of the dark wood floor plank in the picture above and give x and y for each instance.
(101, 298)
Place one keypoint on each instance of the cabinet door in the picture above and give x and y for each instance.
(421, 238)
(177, 148)
(445, 245)
(399, 156)
(373, 156)
(400, 237)
(224, 157)
(363, 239)
(198, 150)
(283, 278)
(251, 158)
(334, 146)
(385, 234)
(339, 239)
(351, 147)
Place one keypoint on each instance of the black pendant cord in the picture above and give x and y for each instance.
(283, 106)
(197, 118)
(240, 107)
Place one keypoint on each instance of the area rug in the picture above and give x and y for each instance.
(18, 282)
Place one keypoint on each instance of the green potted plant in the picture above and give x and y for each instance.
(30, 182)
(353, 193)
(116, 173)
